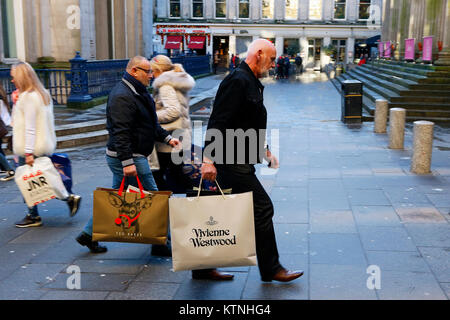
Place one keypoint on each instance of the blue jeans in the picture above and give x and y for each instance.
(4, 163)
(144, 173)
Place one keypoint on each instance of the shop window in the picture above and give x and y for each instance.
(197, 8)
(244, 9)
(315, 9)
(221, 8)
(291, 9)
(364, 12)
(175, 9)
(267, 9)
(8, 29)
(339, 9)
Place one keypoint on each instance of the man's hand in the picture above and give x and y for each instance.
(273, 161)
(209, 172)
(175, 143)
(29, 160)
(130, 171)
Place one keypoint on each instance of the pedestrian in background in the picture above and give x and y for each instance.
(216, 61)
(34, 130)
(231, 62)
(171, 94)
(5, 117)
(239, 105)
(287, 66)
(133, 128)
(299, 63)
(280, 68)
(236, 61)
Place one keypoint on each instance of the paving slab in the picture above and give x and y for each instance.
(146, 291)
(429, 235)
(401, 285)
(386, 239)
(382, 216)
(336, 249)
(340, 282)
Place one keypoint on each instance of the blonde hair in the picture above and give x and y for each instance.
(163, 63)
(27, 80)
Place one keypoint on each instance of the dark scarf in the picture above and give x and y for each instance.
(140, 88)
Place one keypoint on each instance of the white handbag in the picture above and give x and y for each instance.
(40, 183)
(212, 231)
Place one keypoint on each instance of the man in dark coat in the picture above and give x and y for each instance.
(239, 106)
(299, 63)
(133, 128)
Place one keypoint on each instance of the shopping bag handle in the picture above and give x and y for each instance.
(200, 188)
(141, 189)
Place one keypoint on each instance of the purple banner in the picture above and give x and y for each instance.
(410, 45)
(427, 53)
(387, 49)
(380, 49)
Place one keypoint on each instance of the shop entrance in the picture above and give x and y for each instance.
(221, 44)
(314, 51)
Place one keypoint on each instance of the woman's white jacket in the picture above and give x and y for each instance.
(171, 95)
(33, 126)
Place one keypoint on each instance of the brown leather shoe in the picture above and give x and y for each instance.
(285, 276)
(211, 274)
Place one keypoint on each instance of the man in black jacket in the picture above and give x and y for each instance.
(133, 128)
(239, 107)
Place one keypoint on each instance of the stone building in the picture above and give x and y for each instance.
(407, 19)
(106, 29)
(295, 26)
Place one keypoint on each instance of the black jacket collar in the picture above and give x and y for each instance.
(244, 66)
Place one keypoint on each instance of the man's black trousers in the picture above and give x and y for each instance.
(242, 178)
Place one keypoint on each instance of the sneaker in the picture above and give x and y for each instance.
(29, 222)
(74, 204)
(9, 176)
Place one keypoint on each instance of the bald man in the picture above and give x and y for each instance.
(239, 106)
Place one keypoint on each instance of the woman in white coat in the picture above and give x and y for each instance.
(33, 130)
(171, 94)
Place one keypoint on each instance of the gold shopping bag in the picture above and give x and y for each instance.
(121, 216)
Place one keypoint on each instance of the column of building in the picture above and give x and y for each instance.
(88, 34)
(303, 17)
(444, 55)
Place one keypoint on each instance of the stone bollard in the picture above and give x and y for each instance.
(422, 147)
(381, 113)
(397, 118)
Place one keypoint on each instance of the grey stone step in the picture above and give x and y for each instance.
(387, 70)
(416, 65)
(423, 99)
(81, 127)
(386, 84)
(82, 139)
(434, 93)
(371, 85)
(411, 70)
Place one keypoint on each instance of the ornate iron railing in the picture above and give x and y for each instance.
(87, 80)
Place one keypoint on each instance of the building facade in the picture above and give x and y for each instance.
(416, 19)
(294, 26)
(100, 29)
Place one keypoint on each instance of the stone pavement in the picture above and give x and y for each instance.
(343, 202)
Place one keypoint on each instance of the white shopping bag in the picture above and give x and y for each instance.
(212, 231)
(40, 183)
